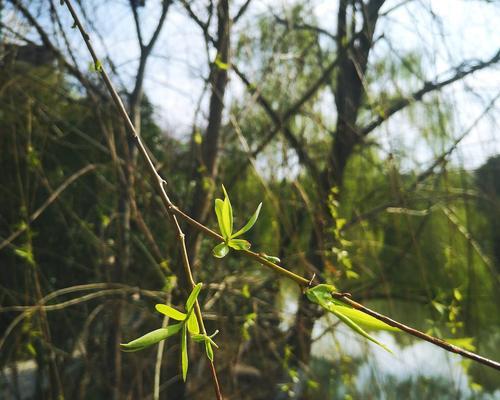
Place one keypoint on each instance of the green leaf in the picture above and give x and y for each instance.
(356, 328)
(219, 206)
(239, 244)
(198, 139)
(466, 343)
(184, 352)
(220, 64)
(321, 294)
(170, 312)
(250, 223)
(227, 213)
(26, 253)
(192, 324)
(198, 338)
(209, 350)
(365, 320)
(273, 259)
(192, 297)
(98, 66)
(151, 338)
(220, 250)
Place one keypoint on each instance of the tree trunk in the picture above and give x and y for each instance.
(206, 168)
(353, 59)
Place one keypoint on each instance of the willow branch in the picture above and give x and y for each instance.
(174, 211)
(160, 182)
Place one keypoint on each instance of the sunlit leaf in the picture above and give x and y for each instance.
(198, 337)
(220, 250)
(227, 214)
(184, 352)
(220, 64)
(365, 320)
(192, 324)
(355, 327)
(466, 343)
(322, 295)
(192, 297)
(25, 253)
(250, 223)
(219, 206)
(273, 259)
(151, 338)
(239, 244)
(209, 350)
(170, 312)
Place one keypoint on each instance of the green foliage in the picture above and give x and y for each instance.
(354, 319)
(188, 323)
(224, 213)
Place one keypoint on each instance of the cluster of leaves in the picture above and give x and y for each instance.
(224, 212)
(187, 323)
(354, 319)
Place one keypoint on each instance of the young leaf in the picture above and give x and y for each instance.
(321, 294)
(198, 337)
(356, 328)
(192, 324)
(273, 259)
(184, 352)
(239, 244)
(192, 297)
(170, 312)
(209, 350)
(220, 250)
(365, 320)
(250, 223)
(219, 211)
(466, 343)
(220, 64)
(227, 213)
(151, 338)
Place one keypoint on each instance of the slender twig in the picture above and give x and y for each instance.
(107, 289)
(158, 179)
(47, 203)
(173, 212)
(159, 356)
(414, 332)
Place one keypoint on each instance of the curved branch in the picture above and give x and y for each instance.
(174, 211)
(461, 72)
(47, 203)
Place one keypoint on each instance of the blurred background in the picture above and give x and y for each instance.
(369, 129)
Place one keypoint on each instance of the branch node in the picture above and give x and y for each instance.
(312, 279)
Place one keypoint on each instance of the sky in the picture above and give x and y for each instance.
(444, 32)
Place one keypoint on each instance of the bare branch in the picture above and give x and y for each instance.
(462, 71)
(47, 203)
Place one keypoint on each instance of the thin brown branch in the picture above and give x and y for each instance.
(304, 27)
(73, 70)
(428, 171)
(414, 332)
(157, 178)
(47, 203)
(279, 123)
(174, 212)
(461, 72)
(241, 11)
